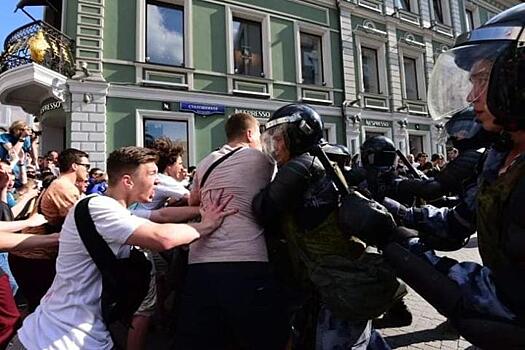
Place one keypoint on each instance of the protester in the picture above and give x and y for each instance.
(70, 313)
(97, 182)
(229, 295)
(35, 270)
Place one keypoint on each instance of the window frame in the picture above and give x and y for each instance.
(254, 16)
(189, 118)
(326, 63)
(248, 21)
(321, 58)
(171, 6)
(475, 15)
(378, 44)
(445, 9)
(427, 147)
(413, 4)
(186, 6)
(419, 57)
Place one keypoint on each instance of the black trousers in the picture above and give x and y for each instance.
(231, 306)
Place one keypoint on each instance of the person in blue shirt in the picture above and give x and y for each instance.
(17, 139)
(97, 182)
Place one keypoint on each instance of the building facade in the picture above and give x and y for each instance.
(179, 67)
(389, 48)
(101, 74)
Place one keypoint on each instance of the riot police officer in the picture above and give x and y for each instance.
(330, 275)
(485, 69)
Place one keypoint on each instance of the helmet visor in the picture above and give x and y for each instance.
(275, 143)
(461, 76)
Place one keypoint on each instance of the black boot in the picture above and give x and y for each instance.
(397, 316)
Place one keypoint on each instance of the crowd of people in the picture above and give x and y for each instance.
(276, 240)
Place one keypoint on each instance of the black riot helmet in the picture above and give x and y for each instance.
(464, 132)
(485, 67)
(299, 125)
(378, 152)
(339, 154)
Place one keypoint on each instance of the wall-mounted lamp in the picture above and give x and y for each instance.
(85, 70)
(87, 98)
(439, 126)
(356, 119)
(403, 124)
(351, 103)
(402, 108)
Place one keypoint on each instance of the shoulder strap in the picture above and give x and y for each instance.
(215, 164)
(96, 246)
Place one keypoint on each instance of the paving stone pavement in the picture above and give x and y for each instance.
(429, 329)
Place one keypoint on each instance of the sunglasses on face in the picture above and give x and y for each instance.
(86, 165)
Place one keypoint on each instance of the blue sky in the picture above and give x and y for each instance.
(9, 20)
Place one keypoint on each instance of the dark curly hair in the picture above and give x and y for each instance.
(168, 152)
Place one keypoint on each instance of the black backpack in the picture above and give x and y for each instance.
(125, 282)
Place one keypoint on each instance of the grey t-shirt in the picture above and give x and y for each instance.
(243, 175)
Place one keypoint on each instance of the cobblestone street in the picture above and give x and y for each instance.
(429, 330)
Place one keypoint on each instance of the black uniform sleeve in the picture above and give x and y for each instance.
(284, 191)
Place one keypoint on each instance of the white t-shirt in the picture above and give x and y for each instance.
(167, 187)
(69, 315)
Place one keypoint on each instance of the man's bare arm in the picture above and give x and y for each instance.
(174, 214)
(160, 237)
(21, 241)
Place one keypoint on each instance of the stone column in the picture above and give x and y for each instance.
(393, 68)
(88, 119)
(348, 56)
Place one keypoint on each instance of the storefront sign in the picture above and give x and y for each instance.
(378, 123)
(51, 106)
(202, 109)
(256, 113)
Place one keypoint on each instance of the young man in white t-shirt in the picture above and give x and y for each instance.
(69, 316)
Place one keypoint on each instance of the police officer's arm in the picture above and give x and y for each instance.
(279, 196)
(440, 228)
(425, 189)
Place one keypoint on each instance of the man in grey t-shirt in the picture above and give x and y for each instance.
(230, 296)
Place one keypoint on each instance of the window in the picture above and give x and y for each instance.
(177, 130)
(469, 19)
(370, 134)
(415, 144)
(247, 47)
(164, 34)
(370, 70)
(438, 10)
(403, 5)
(311, 59)
(411, 83)
(179, 126)
(329, 132)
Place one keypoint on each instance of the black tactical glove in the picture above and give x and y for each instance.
(459, 170)
(366, 219)
(395, 208)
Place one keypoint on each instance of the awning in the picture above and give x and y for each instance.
(52, 3)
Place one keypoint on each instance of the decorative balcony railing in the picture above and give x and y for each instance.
(40, 43)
